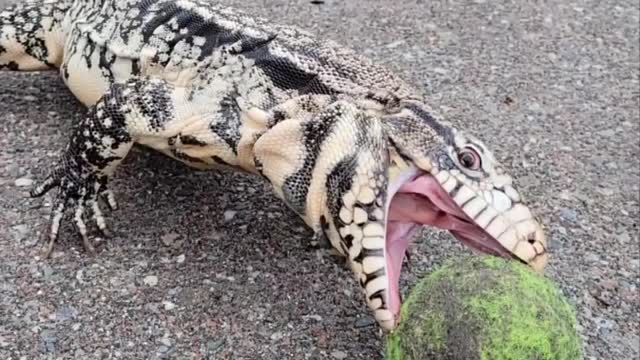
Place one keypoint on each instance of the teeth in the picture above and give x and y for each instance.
(509, 239)
(373, 229)
(442, 176)
(474, 207)
(519, 213)
(373, 243)
(498, 225)
(512, 193)
(485, 218)
(488, 196)
(501, 202)
(450, 184)
(371, 264)
(464, 194)
(524, 250)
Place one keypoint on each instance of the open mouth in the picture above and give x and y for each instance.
(416, 199)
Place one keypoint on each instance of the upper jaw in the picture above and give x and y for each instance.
(517, 235)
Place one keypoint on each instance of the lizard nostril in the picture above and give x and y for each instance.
(531, 238)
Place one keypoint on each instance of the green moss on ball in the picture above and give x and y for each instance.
(485, 308)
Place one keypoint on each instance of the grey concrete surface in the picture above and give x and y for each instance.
(212, 265)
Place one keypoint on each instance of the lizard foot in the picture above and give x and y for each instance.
(80, 191)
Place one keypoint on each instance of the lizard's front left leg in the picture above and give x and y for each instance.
(97, 146)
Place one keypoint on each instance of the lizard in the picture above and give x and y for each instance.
(350, 147)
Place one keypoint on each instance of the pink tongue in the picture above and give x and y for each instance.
(422, 201)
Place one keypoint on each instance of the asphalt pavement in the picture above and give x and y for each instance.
(213, 265)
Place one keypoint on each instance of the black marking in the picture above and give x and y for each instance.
(481, 211)
(468, 201)
(227, 125)
(456, 188)
(191, 140)
(348, 240)
(380, 295)
(339, 182)
(368, 252)
(314, 133)
(374, 275)
(445, 132)
(219, 160)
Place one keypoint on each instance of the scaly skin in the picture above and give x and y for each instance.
(335, 134)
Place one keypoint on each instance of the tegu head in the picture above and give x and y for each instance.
(30, 35)
(439, 177)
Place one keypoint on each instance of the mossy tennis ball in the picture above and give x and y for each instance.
(485, 308)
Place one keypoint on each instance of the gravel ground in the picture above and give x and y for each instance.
(212, 265)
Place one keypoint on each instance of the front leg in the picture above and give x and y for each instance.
(98, 144)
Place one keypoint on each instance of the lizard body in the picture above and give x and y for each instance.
(349, 146)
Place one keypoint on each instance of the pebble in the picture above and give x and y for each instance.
(151, 280)
(169, 239)
(365, 321)
(229, 214)
(23, 182)
(180, 258)
(277, 336)
(215, 345)
(568, 214)
(339, 354)
(168, 305)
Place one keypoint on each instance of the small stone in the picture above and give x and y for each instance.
(76, 326)
(395, 44)
(151, 280)
(3, 342)
(565, 195)
(215, 345)
(23, 182)
(605, 191)
(229, 214)
(180, 258)
(165, 341)
(562, 230)
(624, 238)
(568, 214)
(365, 322)
(80, 275)
(168, 305)
(65, 313)
(609, 284)
(339, 354)
(314, 317)
(277, 336)
(169, 239)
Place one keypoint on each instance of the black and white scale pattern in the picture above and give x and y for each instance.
(210, 86)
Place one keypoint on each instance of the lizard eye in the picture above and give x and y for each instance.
(469, 158)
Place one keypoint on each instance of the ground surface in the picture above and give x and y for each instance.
(210, 265)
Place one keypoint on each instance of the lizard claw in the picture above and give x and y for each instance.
(80, 192)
